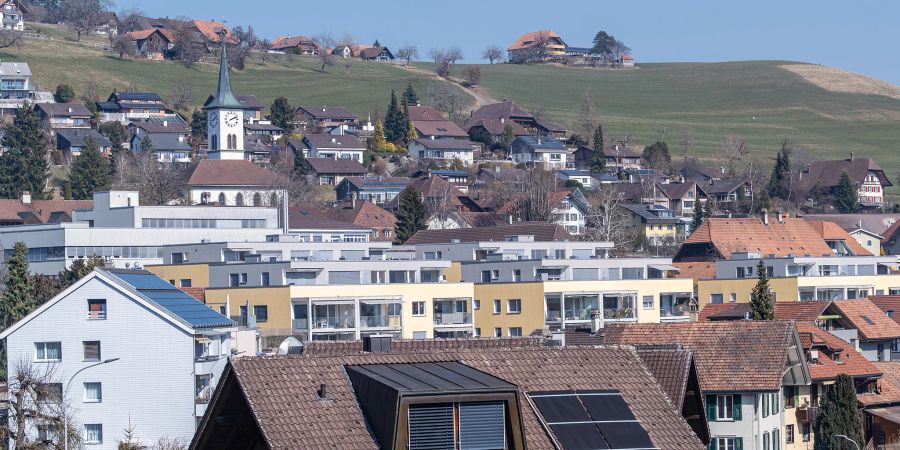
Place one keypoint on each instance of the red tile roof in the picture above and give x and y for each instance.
(365, 214)
(890, 304)
(825, 174)
(791, 236)
(144, 34)
(869, 319)
(890, 233)
(210, 31)
(751, 355)
(230, 173)
(425, 113)
(888, 386)
(529, 39)
(828, 367)
(40, 211)
(670, 365)
(797, 311)
(831, 231)
(703, 270)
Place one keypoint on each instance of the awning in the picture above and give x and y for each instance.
(891, 413)
(662, 267)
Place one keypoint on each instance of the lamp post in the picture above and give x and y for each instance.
(844, 436)
(69, 384)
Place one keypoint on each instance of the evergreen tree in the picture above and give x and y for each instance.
(24, 166)
(409, 95)
(300, 167)
(18, 298)
(394, 121)
(846, 197)
(508, 136)
(411, 215)
(762, 306)
(63, 93)
(198, 124)
(79, 269)
(838, 414)
(657, 155)
(90, 172)
(147, 143)
(116, 133)
(697, 220)
(376, 43)
(780, 173)
(411, 133)
(598, 159)
(379, 138)
(281, 114)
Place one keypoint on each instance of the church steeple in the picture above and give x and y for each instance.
(224, 98)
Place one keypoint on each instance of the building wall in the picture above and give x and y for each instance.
(152, 385)
(531, 318)
(644, 287)
(751, 426)
(198, 274)
(785, 289)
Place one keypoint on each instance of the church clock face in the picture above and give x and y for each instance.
(213, 120)
(231, 119)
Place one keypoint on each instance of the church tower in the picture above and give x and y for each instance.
(224, 116)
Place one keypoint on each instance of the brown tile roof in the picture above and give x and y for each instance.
(425, 113)
(327, 112)
(748, 354)
(890, 234)
(830, 231)
(210, 31)
(328, 141)
(156, 127)
(144, 34)
(310, 217)
(230, 173)
(876, 223)
(676, 190)
(365, 214)
(40, 211)
(670, 365)
(285, 42)
(542, 232)
(281, 392)
(869, 319)
(439, 128)
(370, 52)
(850, 362)
(703, 270)
(495, 126)
(528, 40)
(343, 166)
(797, 311)
(825, 174)
(791, 236)
(888, 385)
(446, 143)
(197, 292)
(890, 304)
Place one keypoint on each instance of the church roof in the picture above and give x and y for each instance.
(224, 98)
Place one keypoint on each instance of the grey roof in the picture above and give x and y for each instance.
(224, 98)
(168, 142)
(159, 128)
(170, 298)
(135, 96)
(170, 118)
(432, 377)
(328, 141)
(107, 106)
(15, 68)
(651, 216)
(542, 143)
(309, 217)
(76, 137)
(377, 182)
(262, 126)
(343, 166)
(327, 112)
(249, 101)
(723, 186)
(64, 109)
(446, 144)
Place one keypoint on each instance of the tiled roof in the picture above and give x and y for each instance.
(830, 231)
(249, 101)
(144, 34)
(542, 232)
(495, 126)
(542, 143)
(230, 173)
(869, 319)
(425, 113)
(39, 211)
(528, 40)
(724, 186)
(158, 128)
(648, 214)
(342, 166)
(281, 392)
(439, 128)
(210, 31)
(365, 214)
(744, 355)
(702, 270)
(446, 144)
(850, 361)
(327, 112)
(890, 304)
(727, 235)
(505, 109)
(670, 365)
(285, 42)
(826, 174)
(328, 141)
(797, 311)
(78, 136)
(891, 233)
(876, 223)
(888, 385)
(64, 109)
(676, 190)
(371, 52)
(309, 217)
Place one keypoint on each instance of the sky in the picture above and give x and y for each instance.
(858, 36)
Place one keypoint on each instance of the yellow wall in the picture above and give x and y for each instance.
(642, 287)
(878, 282)
(197, 273)
(278, 299)
(454, 272)
(785, 289)
(531, 318)
(790, 418)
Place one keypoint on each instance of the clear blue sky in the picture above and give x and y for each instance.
(860, 36)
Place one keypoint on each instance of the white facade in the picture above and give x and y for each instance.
(752, 418)
(871, 192)
(151, 387)
(225, 133)
(571, 216)
(234, 195)
(425, 152)
(11, 16)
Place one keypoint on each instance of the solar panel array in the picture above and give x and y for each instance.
(589, 420)
(173, 299)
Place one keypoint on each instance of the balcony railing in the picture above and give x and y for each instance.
(300, 324)
(332, 323)
(380, 321)
(204, 395)
(672, 312)
(96, 315)
(455, 318)
(807, 414)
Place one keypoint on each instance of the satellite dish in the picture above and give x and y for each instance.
(290, 346)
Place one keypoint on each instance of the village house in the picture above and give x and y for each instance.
(865, 174)
(488, 116)
(570, 209)
(376, 54)
(867, 228)
(548, 152)
(296, 45)
(379, 190)
(323, 118)
(131, 106)
(169, 140)
(153, 43)
(263, 129)
(232, 183)
(26, 211)
(444, 151)
(368, 215)
(72, 140)
(63, 115)
(431, 124)
(331, 171)
(333, 146)
(681, 198)
(657, 225)
(534, 46)
(12, 15)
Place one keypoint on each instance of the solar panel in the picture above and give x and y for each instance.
(625, 435)
(172, 299)
(606, 406)
(868, 320)
(579, 436)
(144, 280)
(561, 408)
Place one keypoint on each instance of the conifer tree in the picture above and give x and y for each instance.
(598, 138)
(147, 143)
(300, 167)
(411, 215)
(697, 220)
(409, 95)
(90, 172)
(508, 136)
(18, 297)
(394, 122)
(762, 306)
(838, 414)
(777, 182)
(281, 114)
(846, 197)
(598, 159)
(198, 124)
(24, 166)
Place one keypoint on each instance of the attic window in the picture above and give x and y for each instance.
(890, 313)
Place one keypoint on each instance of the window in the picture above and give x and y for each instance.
(97, 309)
(496, 306)
(419, 335)
(91, 350)
(476, 304)
(47, 433)
(765, 445)
(234, 280)
(776, 403)
(185, 282)
(715, 299)
(789, 396)
(261, 312)
(776, 439)
(724, 407)
(265, 279)
(789, 434)
(93, 392)
(515, 331)
(418, 308)
(648, 302)
(517, 275)
(488, 276)
(727, 443)
(732, 297)
(47, 351)
(243, 279)
(93, 433)
(513, 306)
(498, 332)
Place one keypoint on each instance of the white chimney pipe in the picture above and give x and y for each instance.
(597, 322)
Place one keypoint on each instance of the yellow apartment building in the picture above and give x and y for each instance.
(807, 288)
(183, 275)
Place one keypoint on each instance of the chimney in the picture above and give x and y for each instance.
(165, 123)
(509, 219)
(851, 156)
(353, 200)
(432, 137)
(597, 323)
(780, 217)
(765, 216)
(26, 197)
(69, 109)
(322, 393)
(333, 140)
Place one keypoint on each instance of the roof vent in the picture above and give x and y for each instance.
(69, 109)
(322, 393)
(333, 140)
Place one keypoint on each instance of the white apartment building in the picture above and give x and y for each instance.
(125, 349)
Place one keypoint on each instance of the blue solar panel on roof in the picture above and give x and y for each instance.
(174, 300)
(143, 280)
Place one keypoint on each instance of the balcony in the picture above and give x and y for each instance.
(807, 414)
(333, 323)
(453, 318)
(333, 316)
(674, 307)
(452, 312)
(300, 325)
(203, 395)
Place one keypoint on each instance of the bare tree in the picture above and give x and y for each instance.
(443, 69)
(453, 54)
(36, 402)
(532, 202)
(687, 141)
(84, 16)
(11, 38)
(492, 53)
(346, 39)
(157, 183)
(735, 150)
(122, 45)
(90, 92)
(437, 55)
(407, 53)
(607, 220)
(472, 74)
(182, 95)
(446, 98)
(188, 48)
(264, 46)
(324, 42)
(247, 40)
(586, 121)
(538, 51)
(131, 20)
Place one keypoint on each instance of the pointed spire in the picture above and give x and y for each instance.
(224, 98)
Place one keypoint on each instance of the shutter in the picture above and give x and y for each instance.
(738, 443)
(795, 391)
(712, 444)
(711, 408)
(431, 427)
(736, 405)
(482, 426)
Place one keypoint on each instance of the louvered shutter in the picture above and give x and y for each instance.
(482, 426)
(431, 427)
(711, 408)
(738, 443)
(736, 405)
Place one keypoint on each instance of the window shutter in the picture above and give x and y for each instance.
(431, 427)
(711, 408)
(482, 425)
(712, 444)
(795, 391)
(736, 405)
(738, 443)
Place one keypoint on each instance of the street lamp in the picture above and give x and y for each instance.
(844, 436)
(69, 384)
